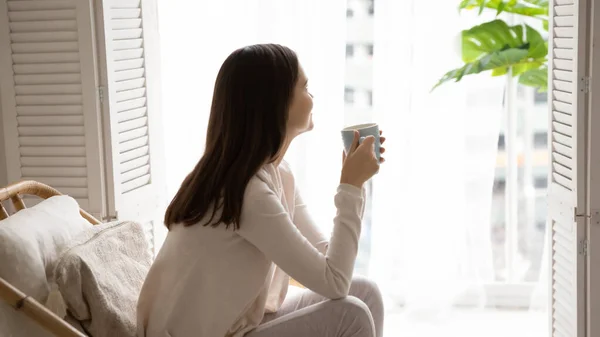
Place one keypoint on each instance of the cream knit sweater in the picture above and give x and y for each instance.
(213, 282)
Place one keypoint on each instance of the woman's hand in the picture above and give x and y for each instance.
(360, 164)
(381, 149)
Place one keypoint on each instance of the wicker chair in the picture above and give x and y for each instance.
(13, 296)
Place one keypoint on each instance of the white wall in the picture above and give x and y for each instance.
(3, 175)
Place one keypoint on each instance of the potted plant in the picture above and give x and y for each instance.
(500, 48)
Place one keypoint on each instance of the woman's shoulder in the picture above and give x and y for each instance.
(286, 172)
(266, 180)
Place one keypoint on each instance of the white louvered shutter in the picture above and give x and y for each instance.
(49, 104)
(567, 192)
(132, 110)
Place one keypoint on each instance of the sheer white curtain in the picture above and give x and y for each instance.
(432, 198)
(197, 36)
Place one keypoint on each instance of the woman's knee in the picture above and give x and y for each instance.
(366, 290)
(357, 314)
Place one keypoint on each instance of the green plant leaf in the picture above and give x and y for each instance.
(537, 45)
(537, 78)
(489, 37)
(533, 8)
(498, 59)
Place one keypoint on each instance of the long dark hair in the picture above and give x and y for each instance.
(246, 130)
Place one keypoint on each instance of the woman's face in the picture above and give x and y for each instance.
(300, 116)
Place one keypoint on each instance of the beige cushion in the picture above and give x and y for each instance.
(30, 241)
(100, 276)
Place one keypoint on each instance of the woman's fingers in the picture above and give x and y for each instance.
(381, 149)
(381, 140)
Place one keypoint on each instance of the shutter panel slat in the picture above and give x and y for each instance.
(49, 97)
(127, 24)
(53, 121)
(135, 173)
(125, 34)
(562, 96)
(47, 68)
(564, 42)
(563, 64)
(54, 171)
(133, 143)
(46, 58)
(48, 79)
(126, 95)
(43, 37)
(563, 86)
(564, 32)
(136, 183)
(563, 107)
(563, 75)
(130, 84)
(44, 26)
(129, 64)
(48, 89)
(59, 181)
(562, 128)
(52, 141)
(51, 131)
(47, 15)
(127, 4)
(53, 161)
(134, 124)
(33, 5)
(563, 118)
(57, 110)
(41, 151)
(141, 151)
(45, 47)
(135, 163)
(129, 74)
(562, 139)
(131, 114)
(565, 163)
(125, 13)
(129, 54)
(565, 54)
(131, 135)
(127, 44)
(564, 150)
(131, 104)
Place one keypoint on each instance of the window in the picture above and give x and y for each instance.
(349, 13)
(371, 8)
(540, 140)
(540, 182)
(349, 95)
(540, 97)
(499, 186)
(349, 50)
(501, 142)
(370, 97)
(370, 49)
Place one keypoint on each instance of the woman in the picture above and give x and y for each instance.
(238, 227)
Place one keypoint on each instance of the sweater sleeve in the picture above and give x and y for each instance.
(309, 228)
(266, 224)
(307, 225)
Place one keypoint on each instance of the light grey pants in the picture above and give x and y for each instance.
(307, 314)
